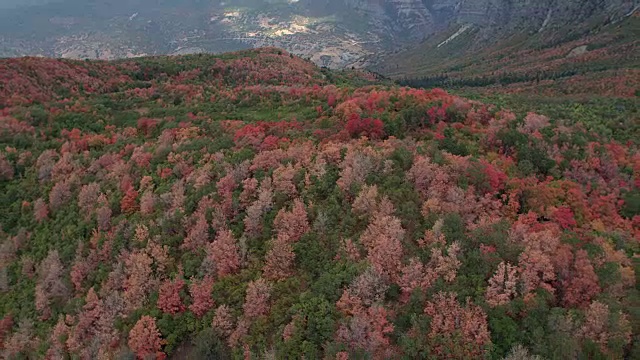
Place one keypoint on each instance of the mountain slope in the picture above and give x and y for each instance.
(253, 205)
(335, 33)
(593, 58)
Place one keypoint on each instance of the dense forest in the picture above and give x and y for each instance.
(253, 206)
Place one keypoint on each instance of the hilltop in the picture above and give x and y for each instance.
(253, 205)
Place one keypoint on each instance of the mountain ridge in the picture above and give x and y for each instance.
(333, 33)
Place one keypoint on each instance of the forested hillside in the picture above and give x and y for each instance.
(590, 60)
(251, 205)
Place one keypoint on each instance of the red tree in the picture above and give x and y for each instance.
(368, 331)
(582, 285)
(147, 202)
(88, 198)
(198, 235)
(200, 291)
(383, 238)
(169, 300)
(294, 223)
(5, 327)
(50, 285)
(147, 125)
(456, 331)
(129, 203)
(564, 217)
(145, 339)
(256, 302)
(279, 259)
(86, 328)
(502, 285)
(224, 253)
(138, 281)
(372, 128)
(59, 195)
(223, 320)
(103, 214)
(6, 169)
(58, 348)
(40, 210)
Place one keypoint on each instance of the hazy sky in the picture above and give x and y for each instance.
(8, 4)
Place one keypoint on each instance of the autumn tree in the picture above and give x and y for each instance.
(372, 128)
(45, 163)
(225, 187)
(198, 234)
(383, 238)
(520, 352)
(564, 217)
(447, 265)
(456, 331)
(249, 190)
(138, 280)
(368, 331)
(86, 329)
(223, 321)
(582, 285)
(366, 290)
(145, 339)
(147, 202)
(535, 264)
(169, 300)
(50, 285)
(356, 166)
(129, 204)
(201, 300)
(280, 259)
(59, 195)
(40, 210)
(224, 253)
(367, 200)
(264, 202)
(256, 301)
(103, 213)
(5, 327)
(88, 197)
(21, 341)
(283, 180)
(602, 327)
(502, 285)
(6, 169)
(415, 275)
(350, 249)
(82, 266)
(294, 223)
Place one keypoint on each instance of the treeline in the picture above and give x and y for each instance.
(445, 81)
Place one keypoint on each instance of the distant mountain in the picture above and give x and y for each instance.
(548, 48)
(333, 33)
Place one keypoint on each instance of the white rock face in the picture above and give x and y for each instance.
(413, 17)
